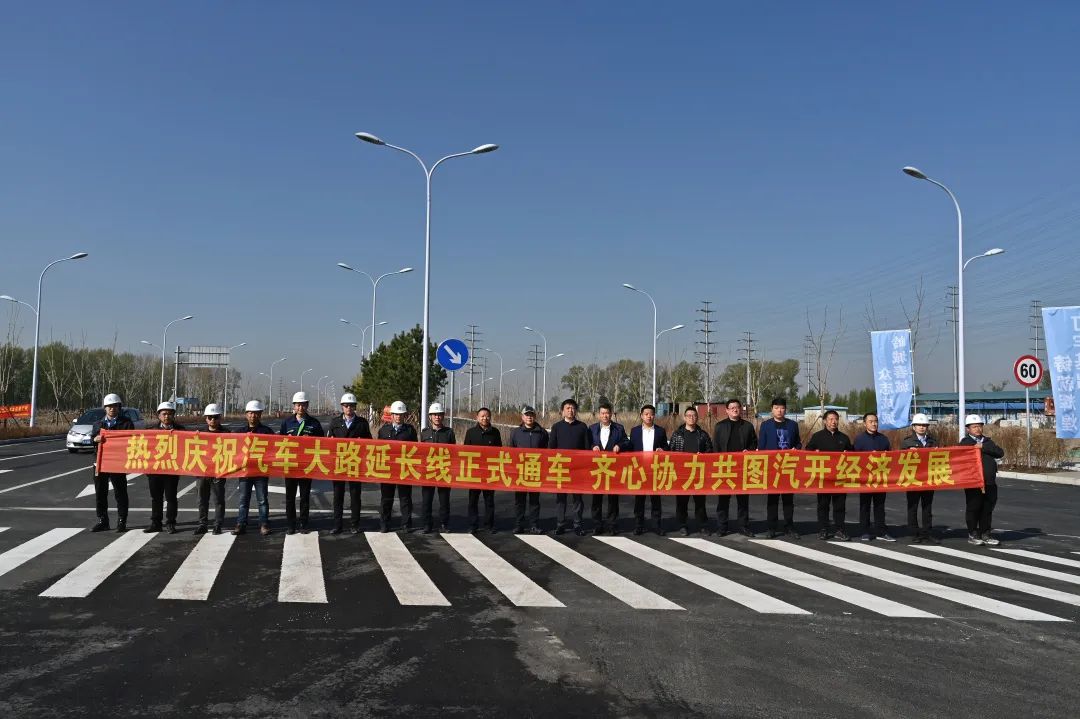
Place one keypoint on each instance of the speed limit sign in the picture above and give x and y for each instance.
(1028, 371)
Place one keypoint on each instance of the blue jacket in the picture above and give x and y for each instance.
(659, 438)
(771, 431)
(616, 438)
(310, 426)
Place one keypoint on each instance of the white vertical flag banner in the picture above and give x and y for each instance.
(892, 376)
(1061, 327)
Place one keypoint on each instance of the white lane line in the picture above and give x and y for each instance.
(738, 593)
(997, 581)
(35, 454)
(89, 489)
(1040, 557)
(86, 577)
(968, 599)
(197, 574)
(598, 575)
(410, 583)
(46, 479)
(185, 490)
(301, 570)
(5, 471)
(4, 529)
(1005, 564)
(829, 588)
(518, 588)
(28, 550)
(273, 489)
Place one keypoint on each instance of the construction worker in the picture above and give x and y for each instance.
(397, 430)
(484, 434)
(920, 438)
(981, 502)
(163, 486)
(437, 433)
(352, 426)
(114, 419)
(299, 424)
(253, 413)
(205, 485)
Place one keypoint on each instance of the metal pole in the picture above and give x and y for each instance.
(451, 402)
(1027, 405)
(176, 374)
(161, 391)
(37, 332)
(225, 403)
(960, 310)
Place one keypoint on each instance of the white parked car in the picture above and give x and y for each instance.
(78, 437)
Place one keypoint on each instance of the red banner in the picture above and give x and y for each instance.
(233, 456)
(15, 411)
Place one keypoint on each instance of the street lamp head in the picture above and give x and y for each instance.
(561, 354)
(484, 148)
(368, 137)
(78, 256)
(342, 319)
(344, 266)
(529, 329)
(242, 344)
(283, 358)
(995, 251)
(144, 342)
(678, 327)
(403, 270)
(915, 172)
(356, 345)
(380, 324)
(629, 286)
(188, 317)
(511, 370)
(9, 298)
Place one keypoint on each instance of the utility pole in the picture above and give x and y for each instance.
(536, 357)
(706, 351)
(951, 309)
(808, 366)
(1037, 329)
(472, 335)
(749, 349)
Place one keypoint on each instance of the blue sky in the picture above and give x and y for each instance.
(748, 154)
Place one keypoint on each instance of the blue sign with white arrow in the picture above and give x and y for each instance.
(453, 354)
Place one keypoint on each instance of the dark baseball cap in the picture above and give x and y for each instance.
(528, 410)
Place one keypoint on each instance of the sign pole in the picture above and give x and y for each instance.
(1027, 405)
(1028, 371)
(450, 422)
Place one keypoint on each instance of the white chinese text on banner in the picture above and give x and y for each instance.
(1061, 326)
(892, 377)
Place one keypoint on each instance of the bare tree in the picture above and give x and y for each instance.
(823, 348)
(11, 355)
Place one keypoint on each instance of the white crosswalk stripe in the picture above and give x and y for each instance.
(26, 551)
(197, 574)
(1005, 564)
(4, 529)
(301, 577)
(85, 578)
(844, 593)
(518, 588)
(598, 575)
(716, 584)
(968, 599)
(1052, 559)
(409, 582)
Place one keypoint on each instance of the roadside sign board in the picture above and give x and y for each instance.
(1028, 371)
(452, 354)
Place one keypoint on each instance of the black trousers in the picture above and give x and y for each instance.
(162, 489)
(772, 504)
(533, 500)
(655, 505)
(101, 495)
(980, 508)
(578, 505)
(404, 494)
(925, 497)
(206, 485)
(489, 508)
(598, 515)
(682, 507)
(839, 510)
(742, 510)
(427, 498)
(354, 501)
(875, 501)
(291, 485)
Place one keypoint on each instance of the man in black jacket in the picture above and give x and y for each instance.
(114, 419)
(981, 502)
(484, 434)
(607, 436)
(436, 433)
(831, 439)
(299, 424)
(689, 437)
(206, 486)
(529, 435)
(163, 486)
(349, 425)
(253, 425)
(569, 433)
(399, 431)
(648, 437)
(920, 438)
(734, 434)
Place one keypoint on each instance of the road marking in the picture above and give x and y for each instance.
(89, 489)
(4, 529)
(46, 479)
(410, 583)
(968, 599)
(874, 603)
(518, 588)
(26, 551)
(977, 576)
(1006, 564)
(750, 598)
(197, 574)
(301, 570)
(5, 471)
(274, 489)
(598, 575)
(86, 577)
(24, 456)
(1041, 557)
(185, 490)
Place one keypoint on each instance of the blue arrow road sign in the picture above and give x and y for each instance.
(452, 354)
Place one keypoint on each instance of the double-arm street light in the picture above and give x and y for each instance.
(272, 382)
(164, 344)
(225, 403)
(363, 334)
(374, 287)
(309, 369)
(656, 335)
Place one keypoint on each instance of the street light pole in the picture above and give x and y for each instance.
(374, 286)
(164, 344)
(425, 369)
(309, 369)
(318, 391)
(272, 382)
(543, 395)
(655, 339)
(501, 375)
(363, 333)
(225, 408)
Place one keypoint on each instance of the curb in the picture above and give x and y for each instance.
(1047, 478)
(41, 438)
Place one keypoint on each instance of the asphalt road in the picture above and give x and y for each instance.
(408, 624)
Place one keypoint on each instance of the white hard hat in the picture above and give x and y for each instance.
(166, 405)
(435, 408)
(920, 418)
(212, 410)
(253, 406)
(398, 407)
(973, 419)
(348, 398)
(300, 397)
(111, 399)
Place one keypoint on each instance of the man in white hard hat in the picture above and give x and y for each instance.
(114, 419)
(396, 429)
(920, 438)
(299, 424)
(528, 435)
(437, 433)
(163, 486)
(206, 485)
(348, 425)
(981, 502)
(253, 425)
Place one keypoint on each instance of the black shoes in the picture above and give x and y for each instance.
(791, 534)
(201, 529)
(101, 526)
(639, 530)
(534, 530)
(291, 529)
(154, 527)
(384, 528)
(121, 525)
(745, 531)
(170, 527)
(841, 536)
(428, 530)
(337, 528)
(560, 530)
(580, 531)
(304, 529)
(684, 531)
(822, 535)
(217, 528)
(355, 529)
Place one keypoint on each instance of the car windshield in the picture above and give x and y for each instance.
(90, 416)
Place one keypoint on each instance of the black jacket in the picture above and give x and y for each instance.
(260, 428)
(912, 442)
(489, 437)
(122, 422)
(442, 435)
(360, 428)
(637, 444)
(990, 453)
(826, 441)
(405, 433)
(176, 428)
(744, 431)
(570, 435)
(525, 438)
(677, 443)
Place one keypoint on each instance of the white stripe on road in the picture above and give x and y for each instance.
(5, 471)
(750, 598)
(35, 454)
(808, 581)
(4, 529)
(518, 588)
(1005, 564)
(301, 570)
(28, 550)
(972, 574)
(968, 599)
(46, 479)
(1040, 556)
(185, 490)
(197, 574)
(598, 575)
(411, 585)
(89, 489)
(86, 577)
